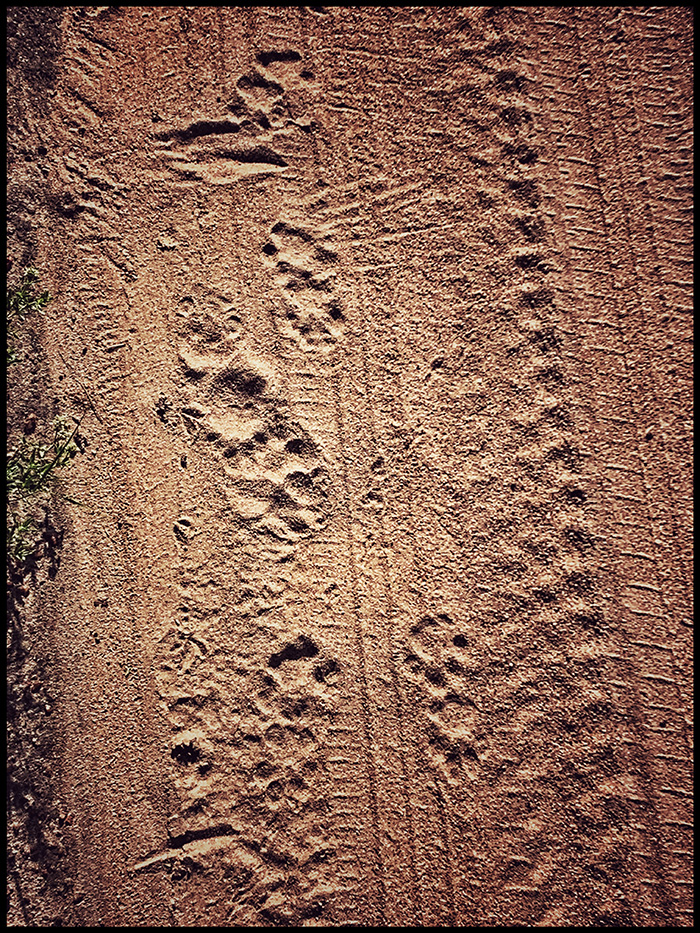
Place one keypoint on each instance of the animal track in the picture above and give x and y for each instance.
(451, 714)
(264, 772)
(305, 271)
(214, 158)
(274, 477)
(280, 485)
(220, 150)
(303, 647)
(250, 719)
(273, 473)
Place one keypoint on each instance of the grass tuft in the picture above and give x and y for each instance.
(32, 464)
(21, 302)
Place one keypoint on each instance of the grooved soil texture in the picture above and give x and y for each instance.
(376, 608)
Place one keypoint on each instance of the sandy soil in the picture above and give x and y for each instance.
(377, 606)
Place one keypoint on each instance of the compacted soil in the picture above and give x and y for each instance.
(376, 607)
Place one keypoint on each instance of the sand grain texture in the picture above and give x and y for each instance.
(378, 608)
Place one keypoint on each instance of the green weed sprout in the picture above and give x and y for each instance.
(31, 466)
(21, 302)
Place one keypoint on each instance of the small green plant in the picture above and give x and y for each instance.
(21, 302)
(32, 464)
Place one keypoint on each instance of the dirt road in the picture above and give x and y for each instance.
(377, 608)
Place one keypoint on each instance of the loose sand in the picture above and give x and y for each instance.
(377, 606)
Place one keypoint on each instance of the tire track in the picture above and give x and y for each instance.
(377, 496)
(612, 324)
(387, 197)
(648, 671)
(368, 725)
(294, 250)
(675, 450)
(527, 192)
(521, 189)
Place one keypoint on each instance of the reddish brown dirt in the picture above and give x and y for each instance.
(377, 606)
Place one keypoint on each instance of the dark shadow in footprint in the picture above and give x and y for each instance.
(186, 753)
(303, 647)
(243, 381)
(285, 55)
(326, 668)
(282, 228)
(301, 445)
(256, 80)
